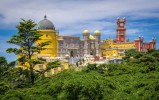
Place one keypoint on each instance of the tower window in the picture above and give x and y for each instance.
(47, 35)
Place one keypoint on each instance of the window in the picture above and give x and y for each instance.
(47, 35)
(61, 44)
(92, 46)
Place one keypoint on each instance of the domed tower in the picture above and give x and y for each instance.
(97, 42)
(86, 35)
(47, 29)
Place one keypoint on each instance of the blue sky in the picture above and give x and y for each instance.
(71, 17)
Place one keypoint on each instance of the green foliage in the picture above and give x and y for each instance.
(3, 87)
(132, 54)
(135, 79)
(13, 95)
(3, 61)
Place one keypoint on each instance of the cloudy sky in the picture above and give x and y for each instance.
(71, 17)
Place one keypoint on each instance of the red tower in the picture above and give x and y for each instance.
(144, 46)
(121, 30)
(153, 43)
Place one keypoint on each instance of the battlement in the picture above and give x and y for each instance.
(154, 40)
(144, 46)
(119, 20)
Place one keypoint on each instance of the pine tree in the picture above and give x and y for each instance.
(25, 38)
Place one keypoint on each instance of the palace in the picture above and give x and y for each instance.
(71, 46)
(90, 45)
(90, 48)
(116, 48)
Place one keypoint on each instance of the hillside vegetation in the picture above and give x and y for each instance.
(137, 78)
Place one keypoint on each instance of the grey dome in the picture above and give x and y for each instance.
(45, 24)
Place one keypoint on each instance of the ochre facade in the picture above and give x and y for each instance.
(111, 49)
(50, 50)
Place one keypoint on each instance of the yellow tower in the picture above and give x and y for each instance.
(47, 29)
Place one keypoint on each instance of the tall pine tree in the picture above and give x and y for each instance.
(25, 38)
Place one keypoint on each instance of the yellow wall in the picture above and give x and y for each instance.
(64, 65)
(52, 48)
(117, 50)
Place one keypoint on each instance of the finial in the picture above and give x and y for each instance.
(45, 17)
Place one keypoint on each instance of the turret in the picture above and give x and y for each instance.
(139, 43)
(97, 42)
(86, 35)
(153, 43)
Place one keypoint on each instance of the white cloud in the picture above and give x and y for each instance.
(73, 16)
(70, 12)
(132, 31)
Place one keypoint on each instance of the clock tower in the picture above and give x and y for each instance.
(121, 30)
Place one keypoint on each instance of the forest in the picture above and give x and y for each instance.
(136, 78)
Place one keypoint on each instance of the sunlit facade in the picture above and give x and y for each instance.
(116, 48)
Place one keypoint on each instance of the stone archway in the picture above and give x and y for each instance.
(71, 54)
(92, 52)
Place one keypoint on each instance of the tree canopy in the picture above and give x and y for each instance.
(136, 78)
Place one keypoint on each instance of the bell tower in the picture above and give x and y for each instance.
(121, 30)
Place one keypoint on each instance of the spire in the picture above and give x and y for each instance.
(45, 17)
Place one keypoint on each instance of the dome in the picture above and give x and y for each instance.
(45, 24)
(86, 32)
(91, 37)
(96, 32)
